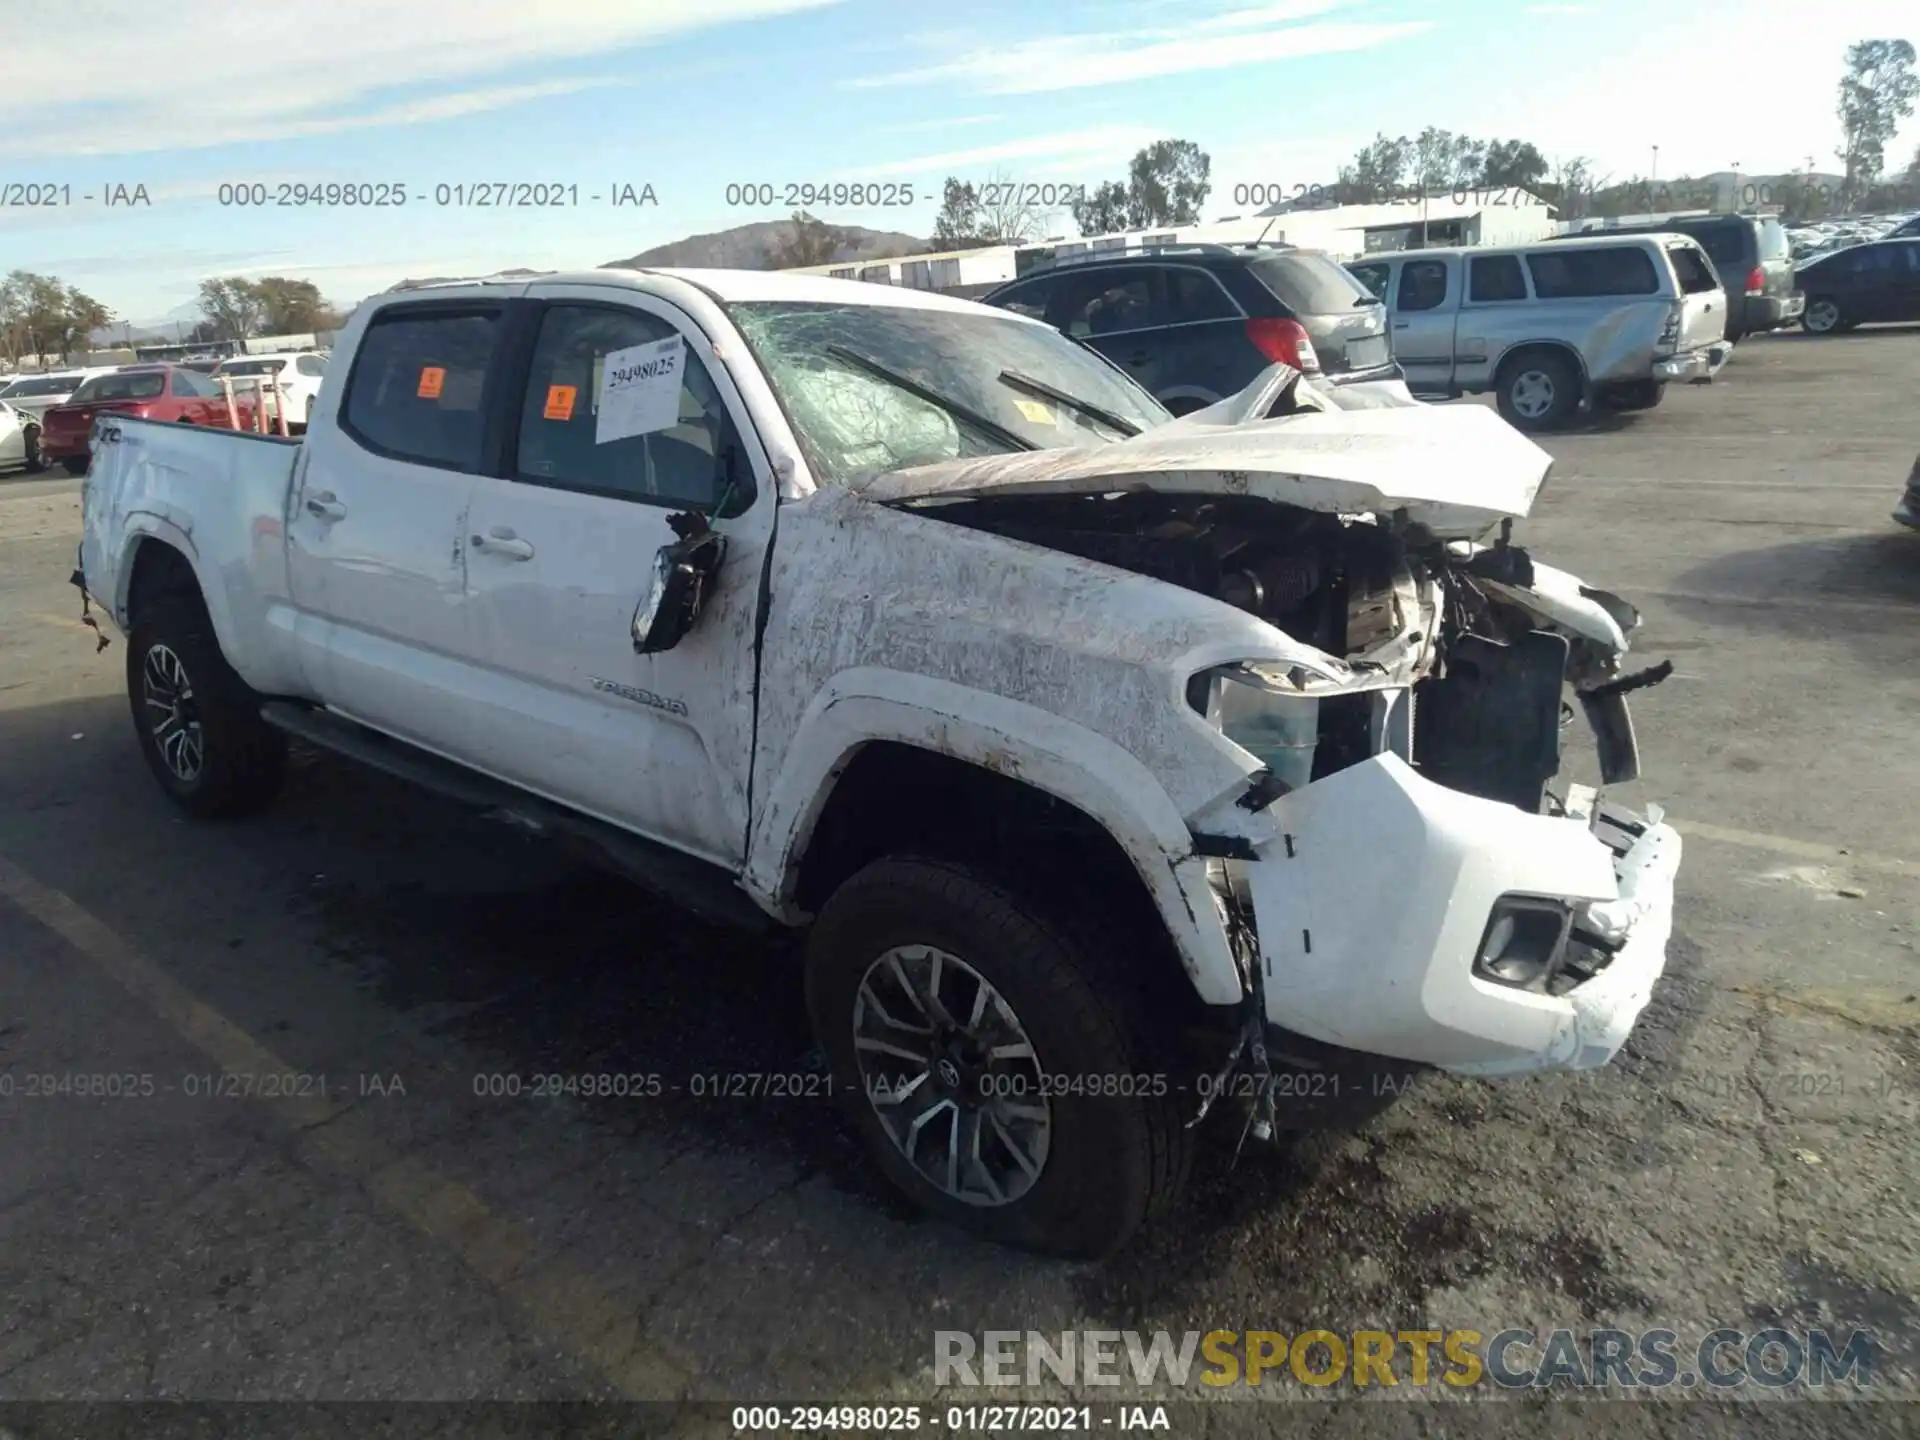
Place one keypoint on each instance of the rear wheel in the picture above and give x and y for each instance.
(198, 722)
(1822, 316)
(1538, 390)
(74, 465)
(992, 1058)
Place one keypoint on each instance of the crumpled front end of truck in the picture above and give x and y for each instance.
(1404, 872)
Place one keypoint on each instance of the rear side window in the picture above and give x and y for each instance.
(310, 365)
(1423, 285)
(414, 391)
(1496, 277)
(1194, 296)
(1729, 244)
(1691, 269)
(1604, 270)
(139, 385)
(1308, 282)
(197, 387)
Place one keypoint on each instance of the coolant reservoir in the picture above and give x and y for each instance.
(1281, 730)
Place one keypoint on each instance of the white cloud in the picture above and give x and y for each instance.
(212, 72)
(1558, 9)
(1073, 61)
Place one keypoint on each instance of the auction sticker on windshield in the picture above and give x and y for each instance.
(639, 390)
(1038, 413)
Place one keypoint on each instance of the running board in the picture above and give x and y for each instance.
(696, 885)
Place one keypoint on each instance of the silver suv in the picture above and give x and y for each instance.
(1552, 327)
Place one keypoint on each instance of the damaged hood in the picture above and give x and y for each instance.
(1457, 470)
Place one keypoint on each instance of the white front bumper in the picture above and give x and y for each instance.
(1372, 904)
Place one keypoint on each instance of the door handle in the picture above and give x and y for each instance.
(326, 506)
(1401, 324)
(502, 541)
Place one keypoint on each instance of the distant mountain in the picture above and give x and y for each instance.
(751, 247)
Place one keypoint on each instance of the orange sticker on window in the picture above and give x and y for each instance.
(560, 402)
(432, 381)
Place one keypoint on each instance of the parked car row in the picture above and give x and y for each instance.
(61, 433)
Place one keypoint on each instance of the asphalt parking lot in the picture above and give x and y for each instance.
(1751, 1159)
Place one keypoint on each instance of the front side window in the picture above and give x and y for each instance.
(415, 388)
(968, 385)
(1194, 296)
(1496, 277)
(648, 425)
(1107, 302)
(1028, 300)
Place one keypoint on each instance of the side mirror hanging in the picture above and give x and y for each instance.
(682, 578)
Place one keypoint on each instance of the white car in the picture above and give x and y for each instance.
(34, 395)
(299, 374)
(19, 440)
(1080, 738)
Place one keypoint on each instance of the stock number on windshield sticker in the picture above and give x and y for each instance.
(798, 196)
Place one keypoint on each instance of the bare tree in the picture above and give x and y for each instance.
(1011, 212)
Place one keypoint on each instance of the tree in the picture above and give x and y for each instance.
(959, 225)
(1571, 190)
(1876, 94)
(41, 316)
(1167, 183)
(1442, 161)
(288, 307)
(1010, 212)
(1104, 211)
(232, 303)
(79, 316)
(1378, 168)
(809, 241)
(1513, 163)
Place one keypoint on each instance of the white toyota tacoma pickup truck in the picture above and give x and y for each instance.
(1114, 763)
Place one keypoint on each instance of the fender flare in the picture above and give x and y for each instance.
(1008, 737)
(151, 526)
(1540, 342)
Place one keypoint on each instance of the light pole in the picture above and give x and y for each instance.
(1733, 200)
(1654, 173)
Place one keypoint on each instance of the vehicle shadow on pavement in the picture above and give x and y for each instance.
(1781, 586)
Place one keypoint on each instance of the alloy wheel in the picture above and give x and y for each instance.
(952, 1075)
(173, 717)
(1822, 316)
(1532, 393)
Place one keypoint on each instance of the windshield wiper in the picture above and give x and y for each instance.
(1072, 402)
(932, 397)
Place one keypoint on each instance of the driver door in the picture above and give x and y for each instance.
(560, 553)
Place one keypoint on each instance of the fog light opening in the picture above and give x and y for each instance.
(1525, 942)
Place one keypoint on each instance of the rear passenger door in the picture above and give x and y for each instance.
(560, 553)
(1202, 353)
(376, 532)
(1495, 313)
(1426, 301)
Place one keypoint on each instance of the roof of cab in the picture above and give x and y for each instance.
(729, 286)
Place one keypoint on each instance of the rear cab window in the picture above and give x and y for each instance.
(1568, 273)
(1495, 278)
(414, 392)
(1691, 269)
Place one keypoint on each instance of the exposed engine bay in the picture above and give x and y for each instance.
(1461, 624)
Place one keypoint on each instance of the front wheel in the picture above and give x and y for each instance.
(1539, 390)
(198, 722)
(1822, 317)
(36, 462)
(990, 1059)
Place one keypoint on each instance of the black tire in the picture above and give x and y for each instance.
(1823, 316)
(36, 462)
(74, 467)
(1529, 378)
(242, 759)
(1111, 1160)
(1186, 405)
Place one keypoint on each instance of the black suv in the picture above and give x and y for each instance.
(1752, 254)
(1196, 323)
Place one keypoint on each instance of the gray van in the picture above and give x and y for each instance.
(1552, 326)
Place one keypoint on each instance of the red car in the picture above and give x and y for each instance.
(146, 392)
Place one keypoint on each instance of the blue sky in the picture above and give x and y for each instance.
(689, 95)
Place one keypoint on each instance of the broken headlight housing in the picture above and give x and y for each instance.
(1525, 942)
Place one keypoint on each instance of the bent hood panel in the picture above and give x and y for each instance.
(1456, 469)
